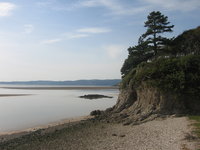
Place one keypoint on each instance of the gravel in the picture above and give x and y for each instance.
(161, 134)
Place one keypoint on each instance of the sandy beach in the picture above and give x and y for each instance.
(170, 133)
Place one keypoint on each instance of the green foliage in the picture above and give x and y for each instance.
(137, 54)
(127, 78)
(197, 118)
(187, 43)
(197, 124)
(156, 24)
(179, 75)
(171, 65)
(149, 43)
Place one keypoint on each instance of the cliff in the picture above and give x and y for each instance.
(150, 91)
(166, 84)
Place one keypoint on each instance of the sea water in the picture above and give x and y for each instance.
(42, 107)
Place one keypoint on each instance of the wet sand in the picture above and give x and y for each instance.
(51, 127)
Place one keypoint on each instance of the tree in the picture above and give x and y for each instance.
(149, 43)
(137, 54)
(156, 24)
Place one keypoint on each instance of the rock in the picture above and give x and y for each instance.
(144, 102)
(94, 96)
(122, 135)
(114, 134)
(124, 115)
(127, 123)
(109, 109)
(95, 113)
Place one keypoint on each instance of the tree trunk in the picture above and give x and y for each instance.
(155, 44)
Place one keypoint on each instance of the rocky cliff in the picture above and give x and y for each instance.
(144, 103)
(163, 85)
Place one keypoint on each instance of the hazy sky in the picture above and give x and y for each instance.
(78, 39)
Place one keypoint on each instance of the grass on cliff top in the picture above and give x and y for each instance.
(197, 124)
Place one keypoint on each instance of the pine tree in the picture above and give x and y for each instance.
(150, 43)
(137, 54)
(156, 24)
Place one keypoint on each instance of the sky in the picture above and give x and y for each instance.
(78, 39)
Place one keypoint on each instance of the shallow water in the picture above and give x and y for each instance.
(47, 106)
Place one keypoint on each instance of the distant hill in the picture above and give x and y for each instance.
(107, 82)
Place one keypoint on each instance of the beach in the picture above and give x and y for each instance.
(90, 133)
(171, 133)
(51, 127)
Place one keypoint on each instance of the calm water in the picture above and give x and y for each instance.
(47, 106)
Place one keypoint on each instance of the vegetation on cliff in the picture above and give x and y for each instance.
(179, 75)
(151, 44)
(171, 65)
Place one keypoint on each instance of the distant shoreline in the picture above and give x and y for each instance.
(92, 82)
(64, 88)
(7, 95)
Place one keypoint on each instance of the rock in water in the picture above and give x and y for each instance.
(94, 96)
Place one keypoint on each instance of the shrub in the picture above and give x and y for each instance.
(178, 75)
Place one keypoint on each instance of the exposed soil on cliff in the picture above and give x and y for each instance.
(144, 103)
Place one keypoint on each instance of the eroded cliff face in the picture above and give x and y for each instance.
(147, 98)
(144, 103)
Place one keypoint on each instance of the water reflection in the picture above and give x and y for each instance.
(46, 106)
